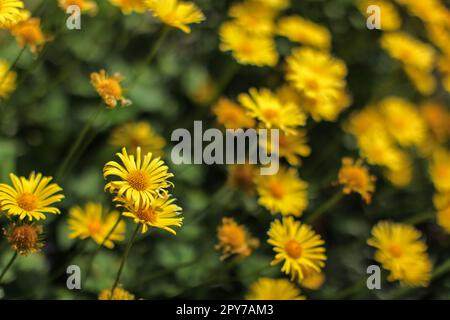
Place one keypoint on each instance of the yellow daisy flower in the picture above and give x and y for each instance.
(437, 118)
(10, 13)
(440, 170)
(29, 32)
(283, 192)
(400, 250)
(87, 6)
(8, 80)
(390, 18)
(119, 294)
(274, 289)
(275, 4)
(175, 13)
(140, 180)
(138, 134)
(234, 239)
(232, 115)
(313, 280)
(423, 81)
(109, 88)
(256, 18)
(242, 177)
(265, 106)
(93, 222)
(160, 213)
(129, 6)
(247, 49)
(24, 238)
(356, 178)
(298, 29)
(297, 246)
(443, 219)
(293, 147)
(30, 198)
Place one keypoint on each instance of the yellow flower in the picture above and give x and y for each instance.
(248, 49)
(443, 219)
(29, 32)
(175, 13)
(283, 192)
(30, 198)
(356, 178)
(140, 180)
(400, 250)
(437, 118)
(88, 6)
(440, 170)
(408, 50)
(313, 280)
(265, 106)
(379, 149)
(234, 239)
(160, 213)
(129, 6)
(423, 81)
(442, 203)
(297, 246)
(275, 4)
(7, 80)
(298, 29)
(274, 289)
(256, 18)
(400, 175)
(430, 11)
(390, 18)
(109, 88)
(119, 294)
(231, 115)
(24, 238)
(10, 13)
(241, 176)
(93, 222)
(138, 134)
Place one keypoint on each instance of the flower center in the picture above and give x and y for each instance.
(235, 236)
(355, 177)
(27, 201)
(24, 238)
(396, 250)
(276, 189)
(94, 227)
(293, 249)
(111, 87)
(148, 215)
(31, 34)
(270, 114)
(138, 180)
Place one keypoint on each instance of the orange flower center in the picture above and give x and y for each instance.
(270, 114)
(395, 250)
(354, 177)
(31, 34)
(148, 215)
(138, 180)
(233, 235)
(94, 227)
(111, 87)
(24, 238)
(276, 189)
(293, 249)
(27, 201)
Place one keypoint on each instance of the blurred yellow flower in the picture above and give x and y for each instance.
(109, 88)
(248, 49)
(160, 213)
(313, 280)
(408, 50)
(266, 107)
(234, 239)
(119, 294)
(274, 289)
(400, 250)
(442, 203)
(255, 17)
(423, 81)
(390, 18)
(275, 4)
(400, 175)
(7, 80)
(30, 198)
(138, 134)
(129, 6)
(437, 118)
(29, 32)
(298, 29)
(232, 115)
(429, 11)
(140, 180)
(10, 13)
(175, 13)
(242, 177)
(283, 192)
(86, 6)
(354, 177)
(443, 219)
(296, 245)
(440, 170)
(403, 121)
(24, 238)
(94, 222)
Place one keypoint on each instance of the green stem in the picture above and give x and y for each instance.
(351, 291)
(124, 259)
(76, 146)
(325, 207)
(420, 218)
(95, 253)
(228, 74)
(11, 261)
